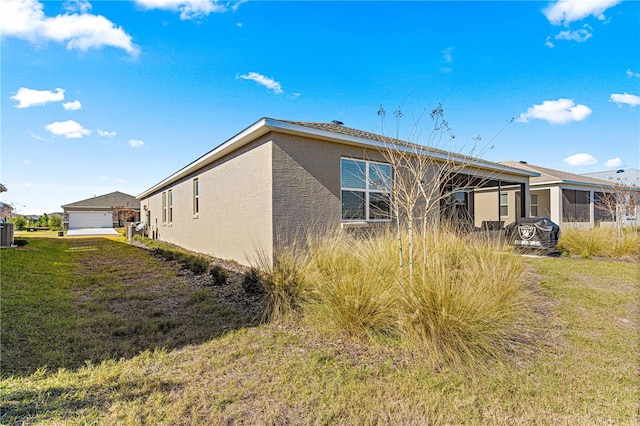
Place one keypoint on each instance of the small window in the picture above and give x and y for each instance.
(365, 190)
(504, 204)
(164, 207)
(534, 205)
(170, 206)
(196, 197)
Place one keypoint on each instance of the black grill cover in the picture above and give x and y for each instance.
(534, 233)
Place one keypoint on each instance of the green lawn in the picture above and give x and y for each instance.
(64, 301)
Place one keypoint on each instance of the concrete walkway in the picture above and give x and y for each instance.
(91, 231)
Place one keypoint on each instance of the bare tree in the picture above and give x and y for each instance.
(123, 214)
(420, 169)
(7, 211)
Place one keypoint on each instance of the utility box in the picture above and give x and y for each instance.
(537, 233)
(6, 234)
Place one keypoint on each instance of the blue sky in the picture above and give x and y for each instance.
(116, 95)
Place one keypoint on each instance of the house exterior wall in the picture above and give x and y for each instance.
(487, 205)
(544, 203)
(235, 207)
(306, 185)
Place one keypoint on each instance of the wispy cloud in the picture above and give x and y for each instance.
(614, 162)
(549, 43)
(79, 6)
(564, 12)
(625, 99)
(559, 111)
(136, 143)
(632, 74)
(581, 159)
(267, 82)
(69, 129)
(189, 9)
(447, 55)
(105, 133)
(580, 36)
(30, 97)
(72, 106)
(25, 19)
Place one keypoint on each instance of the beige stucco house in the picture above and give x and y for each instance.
(277, 179)
(569, 200)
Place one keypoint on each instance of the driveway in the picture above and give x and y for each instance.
(91, 231)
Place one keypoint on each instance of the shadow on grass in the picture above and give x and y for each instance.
(66, 302)
(69, 401)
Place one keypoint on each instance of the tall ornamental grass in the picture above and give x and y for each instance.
(465, 299)
(607, 242)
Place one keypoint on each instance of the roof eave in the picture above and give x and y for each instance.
(265, 125)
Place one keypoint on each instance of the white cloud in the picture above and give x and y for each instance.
(69, 129)
(29, 97)
(578, 35)
(26, 162)
(614, 162)
(563, 12)
(72, 106)
(632, 74)
(189, 9)
(105, 133)
(135, 143)
(25, 19)
(625, 99)
(549, 43)
(267, 82)
(120, 180)
(556, 112)
(81, 6)
(581, 159)
(447, 56)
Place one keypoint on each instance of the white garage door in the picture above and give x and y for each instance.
(79, 220)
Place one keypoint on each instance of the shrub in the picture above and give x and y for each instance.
(219, 275)
(55, 223)
(252, 281)
(19, 222)
(196, 264)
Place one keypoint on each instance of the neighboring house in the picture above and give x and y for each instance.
(629, 177)
(568, 199)
(98, 212)
(3, 188)
(277, 179)
(627, 182)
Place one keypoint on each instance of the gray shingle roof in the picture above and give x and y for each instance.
(552, 175)
(107, 201)
(389, 141)
(623, 176)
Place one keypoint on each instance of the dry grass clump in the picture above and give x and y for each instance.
(467, 300)
(601, 242)
(352, 284)
(464, 299)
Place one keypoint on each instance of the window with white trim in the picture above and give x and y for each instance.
(164, 207)
(534, 205)
(196, 197)
(365, 190)
(170, 195)
(504, 205)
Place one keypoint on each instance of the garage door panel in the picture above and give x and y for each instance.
(79, 220)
